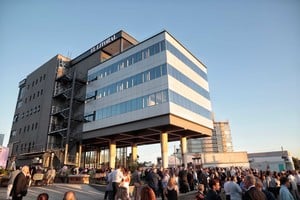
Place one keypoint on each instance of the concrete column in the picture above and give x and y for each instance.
(79, 155)
(164, 149)
(99, 161)
(133, 153)
(183, 145)
(112, 154)
(66, 154)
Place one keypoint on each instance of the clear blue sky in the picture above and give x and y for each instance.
(251, 50)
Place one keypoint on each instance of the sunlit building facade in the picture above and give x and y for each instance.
(121, 93)
(219, 142)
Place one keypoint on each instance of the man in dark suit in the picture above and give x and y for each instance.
(212, 193)
(252, 193)
(20, 184)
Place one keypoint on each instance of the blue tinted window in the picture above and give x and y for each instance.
(187, 61)
(188, 104)
(131, 105)
(132, 81)
(187, 81)
(143, 54)
(147, 101)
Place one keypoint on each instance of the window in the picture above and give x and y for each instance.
(151, 100)
(29, 146)
(13, 133)
(130, 60)
(159, 98)
(129, 106)
(90, 96)
(16, 117)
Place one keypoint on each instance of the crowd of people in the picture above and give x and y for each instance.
(234, 183)
(20, 179)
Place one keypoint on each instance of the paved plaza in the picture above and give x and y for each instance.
(83, 192)
(56, 192)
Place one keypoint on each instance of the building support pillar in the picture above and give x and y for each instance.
(66, 154)
(133, 153)
(183, 146)
(164, 149)
(99, 161)
(79, 155)
(112, 154)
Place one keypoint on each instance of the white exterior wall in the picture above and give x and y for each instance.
(185, 52)
(150, 87)
(185, 91)
(225, 159)
(131, 93)
(271, 161)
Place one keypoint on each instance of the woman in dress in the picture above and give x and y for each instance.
(123, 192)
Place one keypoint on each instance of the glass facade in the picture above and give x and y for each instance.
(219, 142)
(186, 60)
(143, 77)
(189, 105)
(160, 97)
(188, 82)
(130, 60)
(129, 106)
(127, 83)
(147, 101)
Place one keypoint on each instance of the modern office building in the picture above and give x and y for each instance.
(219, 142)
(120, 93)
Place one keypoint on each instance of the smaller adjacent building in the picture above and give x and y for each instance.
(3, 156)
(214, 151)
(225, 159)
(273, 161)
(219, 142)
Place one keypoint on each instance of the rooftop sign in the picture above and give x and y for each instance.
(96, 47)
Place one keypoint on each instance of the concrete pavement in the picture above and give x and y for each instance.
(56, 192)
(82, 191)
